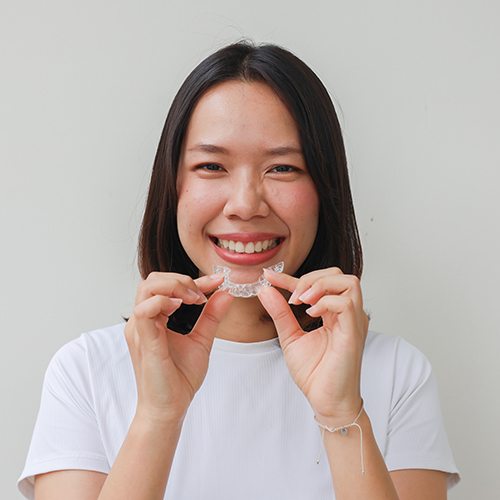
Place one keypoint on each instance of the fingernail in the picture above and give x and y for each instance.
(193, 295)
(201, 299)
(311, 310)
(215, 276)
(293, 299)
(306, 295)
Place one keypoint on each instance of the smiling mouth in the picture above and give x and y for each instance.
(248, 247)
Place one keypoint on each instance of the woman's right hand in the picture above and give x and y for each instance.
(170, 367)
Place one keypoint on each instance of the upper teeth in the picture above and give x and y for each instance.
(250, 247)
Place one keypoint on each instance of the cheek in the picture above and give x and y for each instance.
(195, 207)
(299, 204)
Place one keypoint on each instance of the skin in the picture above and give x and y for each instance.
(246, 194)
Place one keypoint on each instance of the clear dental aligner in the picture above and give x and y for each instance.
(244, 289)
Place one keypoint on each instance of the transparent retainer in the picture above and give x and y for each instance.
(244, 289)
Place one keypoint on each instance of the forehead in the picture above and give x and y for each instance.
(241, 113)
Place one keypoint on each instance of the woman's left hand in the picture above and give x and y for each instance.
(324, 363)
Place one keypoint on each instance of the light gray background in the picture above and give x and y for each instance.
(85, 87)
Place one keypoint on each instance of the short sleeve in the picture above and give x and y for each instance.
(417, 437)
(66, 433)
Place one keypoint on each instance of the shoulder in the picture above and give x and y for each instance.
(394, 350)
(393, 365)
(106, 343)
(92, 350)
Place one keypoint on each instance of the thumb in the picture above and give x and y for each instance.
(212, 314)
(277, 307)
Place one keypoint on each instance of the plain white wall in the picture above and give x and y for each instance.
(85, 87)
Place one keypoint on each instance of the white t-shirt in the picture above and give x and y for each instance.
(249, 432)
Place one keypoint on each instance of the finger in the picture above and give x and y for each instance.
(338, 284)
(308, 279)
(342, 306)
(281, 280)
(152, 307)
(170, 286)
(210, 318)
(146, 315)
(277, 307)
(208, 283)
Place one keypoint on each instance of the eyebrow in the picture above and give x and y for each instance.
(277, 151)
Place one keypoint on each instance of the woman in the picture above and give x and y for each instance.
(250, 171)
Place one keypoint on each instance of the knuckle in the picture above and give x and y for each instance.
(185, 280)
(348, 302)
(306, 276)
(142, 289)
(140, 311)
(354, 278)
(281, 315)
(147, 290)
(210, 316)
(355, 282)
(304, 282)
(309, 277)
(177, 278)
(324, 301)
(179, 288)
(320, 284)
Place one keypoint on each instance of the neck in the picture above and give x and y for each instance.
(246, 321)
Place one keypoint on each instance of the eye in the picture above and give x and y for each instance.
(284, 169)
(210, 167)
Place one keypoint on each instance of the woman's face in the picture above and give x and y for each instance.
(246, 200)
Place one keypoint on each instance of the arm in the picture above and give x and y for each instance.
(325, 364)
(345, 465)
(414, 484)
(141, 469)
(143, 465)
(376, 483)
(169, 369)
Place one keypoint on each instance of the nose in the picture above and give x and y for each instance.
(246, 199)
